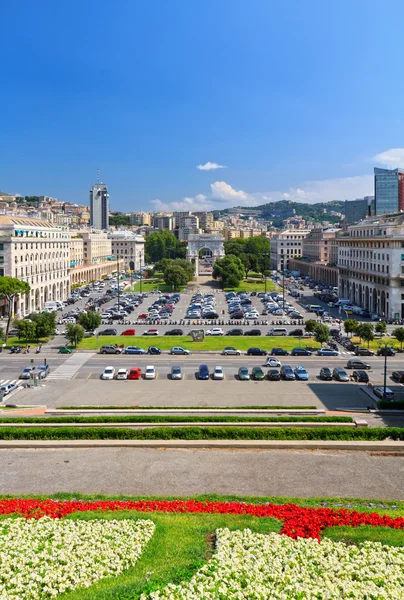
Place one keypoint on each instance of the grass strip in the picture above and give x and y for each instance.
(123, 407)
(202, 433)
(174, 419)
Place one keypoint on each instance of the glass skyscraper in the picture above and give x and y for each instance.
(389, 190)
(99, 206)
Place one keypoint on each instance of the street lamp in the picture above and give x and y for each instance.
(265, 255)
(385, 346)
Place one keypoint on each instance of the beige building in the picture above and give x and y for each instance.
(36, 252)
(91, 256)
(128, 247)
(140, 218)
(286, 245)
(320, 245)
(206, 220)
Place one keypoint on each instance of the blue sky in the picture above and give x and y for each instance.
(296, 99)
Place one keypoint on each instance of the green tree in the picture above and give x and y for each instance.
(398, 333)
(158, 243)
(45, 324)
(176, 276)
(90, 320)
(26, 330)
(9, 289)
(321, 333)
(310, 325)
(366, 332)
(236, 246)
(381, 327)
(74, 333)
(119, 220)
(350, 326)
(229, 269)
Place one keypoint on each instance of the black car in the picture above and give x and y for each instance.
(360, 376)
(153, 350)
(253, 332)
(256, 352)
(174, 332)
(235, 332)
(383, 351)
(357, 364)
(366, 352)
(211, 315)
(325, 374)
(398, 376)
(108, 332)
(296, 332)
(274, 375)
(301, 352)
(287, 373)
(279, 352)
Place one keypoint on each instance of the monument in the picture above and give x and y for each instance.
(204, 241)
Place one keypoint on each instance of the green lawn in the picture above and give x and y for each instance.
(253, 285)
(15, 341)
(374, 344)
(166, 342)
(152, 284)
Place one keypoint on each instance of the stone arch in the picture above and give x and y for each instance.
(214, 243)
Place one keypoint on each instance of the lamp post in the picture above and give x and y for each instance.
(384, 345)
(117, 262)
(265, 255)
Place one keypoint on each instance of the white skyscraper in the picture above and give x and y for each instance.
(99, 206)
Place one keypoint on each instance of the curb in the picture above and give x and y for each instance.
(188, 411)
(359, 446)
(150, 425)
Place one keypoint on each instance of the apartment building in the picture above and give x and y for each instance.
(320, 245)
(128, 247)
(286, 245)
(91, 256)
(371, 265)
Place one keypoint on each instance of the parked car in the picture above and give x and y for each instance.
(26, 373)
(385, 351)
(174, 332)
(230, 351)
(253, 332)
(135, 373)
(235, 332)
(274, 375)
(215, 331)
(272, 362)
(150, 372)
(110, 349)
(176, 373)
(363, 352)
(218, 373)
(134, 350)
(178, 350)
(108, 332)
(357, 364)
(296, 332)
(340, 375)
(327, 352)
(301, 352)
(287, 373)
(151, 331)
(243, 374)
(256, 352)
(153, 350)
(279, 352)
(257, 374)
(203, 372)
(398, 376)
(360, 376)
(325, 374)
(7, 388)
(109, 373)
(128, 332)
(301, 373)
(379, 392)
(122, 374)
(43, 369)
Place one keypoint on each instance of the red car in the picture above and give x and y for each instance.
(135, 373)
(143, 316)
(128, 332)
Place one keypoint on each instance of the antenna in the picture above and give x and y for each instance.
(98, 176)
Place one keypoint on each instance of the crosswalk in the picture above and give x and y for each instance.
(69, 368)
(18, 382)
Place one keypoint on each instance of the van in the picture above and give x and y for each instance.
(277, 331)
(314, 307)
(51, 306)
(342, 302)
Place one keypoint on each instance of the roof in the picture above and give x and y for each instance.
(24, 221)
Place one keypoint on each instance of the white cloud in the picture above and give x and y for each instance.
(392, 158)
(199, 203)
(210, 166)
(223, 191)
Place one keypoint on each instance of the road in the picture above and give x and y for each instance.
(187, 472)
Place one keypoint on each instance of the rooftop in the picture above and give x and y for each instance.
(23, 221)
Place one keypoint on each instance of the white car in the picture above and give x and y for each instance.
(109, 373)
(122, 374)
(218, 373)
(272, 362)
(215, 331)
(150, 372)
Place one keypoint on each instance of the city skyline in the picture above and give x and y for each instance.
(180, 123)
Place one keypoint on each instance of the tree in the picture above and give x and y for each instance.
(230, 269)
(381, 327)
(310, 325)
(158, 243)
(9, 289)
(236, 246)
(74, 333)
(119, 220)
(90, 320)
(366, 332)
(176, 276)
(26, 330)
(45, 324)
(350, 326)
(321, 333)
(398, 333)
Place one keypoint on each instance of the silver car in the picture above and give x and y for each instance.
(176, 373)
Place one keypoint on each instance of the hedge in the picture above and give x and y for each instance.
(201, 433)
(390, 405)
(123, 407)
(174, 419)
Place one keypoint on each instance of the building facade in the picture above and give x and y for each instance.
(356, 210)
(320, 245)
(286, 245)
(91, 256)
(389, 190)
(99, 206)
(34, 251)
(128, 247)
(371, 265)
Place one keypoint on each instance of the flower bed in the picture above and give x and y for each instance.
(253, 566)
(46, 557)
(297, 521)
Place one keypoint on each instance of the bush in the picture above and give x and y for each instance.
(174, 419)
(390, 405)
(201, 433)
